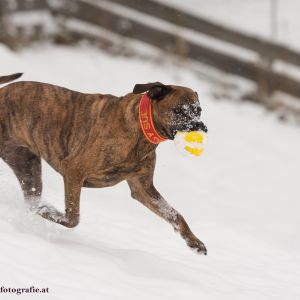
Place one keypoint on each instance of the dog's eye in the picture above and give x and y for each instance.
(177, 110)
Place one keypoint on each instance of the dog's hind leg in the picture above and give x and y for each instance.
(142, 189)
(27, 167)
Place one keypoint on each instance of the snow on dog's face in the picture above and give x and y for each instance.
(185, 115)
(175, 108)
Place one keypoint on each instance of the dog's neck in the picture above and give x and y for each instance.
(132, 107)
(160, 128)
(147, 121)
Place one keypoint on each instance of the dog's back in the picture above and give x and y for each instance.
(50, 120)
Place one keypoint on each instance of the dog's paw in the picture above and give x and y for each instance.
(197, 246)
(51, 213)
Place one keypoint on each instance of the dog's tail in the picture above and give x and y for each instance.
(5, 79)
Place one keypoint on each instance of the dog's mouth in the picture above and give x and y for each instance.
(193, 126)
(198, 126)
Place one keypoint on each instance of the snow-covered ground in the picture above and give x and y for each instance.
(241, 198)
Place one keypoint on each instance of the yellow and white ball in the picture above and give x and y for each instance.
(190, 143)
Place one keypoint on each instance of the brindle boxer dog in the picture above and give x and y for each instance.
(92, 140)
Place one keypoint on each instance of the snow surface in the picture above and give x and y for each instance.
(241, 198)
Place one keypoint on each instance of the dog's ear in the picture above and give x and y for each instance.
(141, 88)
(156, 90)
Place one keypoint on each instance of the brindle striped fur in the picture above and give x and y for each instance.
(92, 140)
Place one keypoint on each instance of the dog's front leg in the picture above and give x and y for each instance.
(142, 189)
(72, 199)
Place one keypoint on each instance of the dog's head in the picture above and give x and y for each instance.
(175, 108)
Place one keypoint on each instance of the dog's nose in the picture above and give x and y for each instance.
(199, 126)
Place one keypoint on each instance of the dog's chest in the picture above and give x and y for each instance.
(108, 174)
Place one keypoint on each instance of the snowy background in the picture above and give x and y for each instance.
(253, 17)
(241, 198)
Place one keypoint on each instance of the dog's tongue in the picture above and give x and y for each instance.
(190, 143)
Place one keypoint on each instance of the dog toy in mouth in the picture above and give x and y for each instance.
(190, 143)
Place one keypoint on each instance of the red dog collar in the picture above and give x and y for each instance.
(146, 121)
